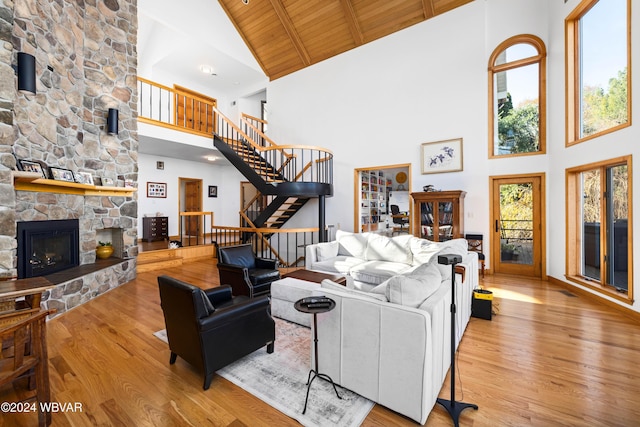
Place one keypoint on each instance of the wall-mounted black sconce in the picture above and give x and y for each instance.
(26, 73)
(112, 121)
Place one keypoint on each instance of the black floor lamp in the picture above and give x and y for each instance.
(453, 408)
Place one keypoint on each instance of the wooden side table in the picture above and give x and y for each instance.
(315, 309)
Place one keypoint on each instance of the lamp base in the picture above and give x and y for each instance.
(455, 408)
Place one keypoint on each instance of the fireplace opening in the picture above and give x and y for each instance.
(46, 247)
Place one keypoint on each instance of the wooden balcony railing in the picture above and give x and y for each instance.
(177, 108)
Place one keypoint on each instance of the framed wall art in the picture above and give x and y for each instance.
(84, 178)
(213, 191)
(442, 156)
(29, 166)
(60, 174)
(157, 189)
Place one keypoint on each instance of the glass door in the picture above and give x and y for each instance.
(517, 225)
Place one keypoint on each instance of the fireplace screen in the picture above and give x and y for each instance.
(46, 247)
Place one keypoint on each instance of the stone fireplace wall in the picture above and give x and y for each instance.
(86, 63)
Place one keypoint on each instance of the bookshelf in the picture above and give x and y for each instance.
(438, 215)
(374, 187)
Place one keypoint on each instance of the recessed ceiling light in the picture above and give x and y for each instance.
(207, 69)
(212, 158)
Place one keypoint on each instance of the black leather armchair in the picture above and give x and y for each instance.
(210, 328)
(247, 274)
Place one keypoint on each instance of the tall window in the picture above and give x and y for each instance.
(598, 57)
(599, 226)
(517, 94)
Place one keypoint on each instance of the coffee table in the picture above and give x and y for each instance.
(316, 276)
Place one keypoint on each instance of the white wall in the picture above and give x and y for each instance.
(376, 104)
(225, 207)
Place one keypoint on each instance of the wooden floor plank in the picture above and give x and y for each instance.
(548, 357)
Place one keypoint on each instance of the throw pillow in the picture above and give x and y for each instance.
(383, 248)
(326, 251)
(351, 244)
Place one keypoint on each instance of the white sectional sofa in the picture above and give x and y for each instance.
(391, 342)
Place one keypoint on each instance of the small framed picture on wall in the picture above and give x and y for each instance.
(213, 191)
(157, 189)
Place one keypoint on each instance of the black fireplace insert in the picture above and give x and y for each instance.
(46, 247)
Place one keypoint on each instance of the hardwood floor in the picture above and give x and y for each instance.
(548, 358)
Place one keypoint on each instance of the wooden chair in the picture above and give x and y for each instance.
(23, 352)
(474, 242)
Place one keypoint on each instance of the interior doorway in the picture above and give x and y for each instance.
(376, 188)
(518, 225)
(190, 201)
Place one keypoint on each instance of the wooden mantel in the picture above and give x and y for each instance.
(33, 181)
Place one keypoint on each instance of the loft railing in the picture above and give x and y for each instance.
(287, 246)
(176, 108)
(182, 110)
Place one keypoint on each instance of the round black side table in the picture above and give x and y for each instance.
(322, 305)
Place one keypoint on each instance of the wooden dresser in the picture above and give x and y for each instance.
(155, 228)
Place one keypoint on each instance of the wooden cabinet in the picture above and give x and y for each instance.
(155, 228)
(438, 215)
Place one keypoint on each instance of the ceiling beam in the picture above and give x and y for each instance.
(352, 22)
(291, 31)
(429, 10)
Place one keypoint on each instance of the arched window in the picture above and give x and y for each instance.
(517, 97)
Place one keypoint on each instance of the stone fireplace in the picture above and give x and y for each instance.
(86, 63)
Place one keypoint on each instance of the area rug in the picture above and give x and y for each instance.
(279, 379)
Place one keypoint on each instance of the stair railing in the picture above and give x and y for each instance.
(159, 105)
(285, 245)
(308, 156)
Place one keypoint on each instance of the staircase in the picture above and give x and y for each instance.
(287, 176)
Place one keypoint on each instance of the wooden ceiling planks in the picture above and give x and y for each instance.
(288, 35)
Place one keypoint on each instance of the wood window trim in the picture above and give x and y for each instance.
(573, 236)
(541, 59)
(572, 75)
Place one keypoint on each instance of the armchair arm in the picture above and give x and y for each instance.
(271, 264)
(219, 294)
(235, 312)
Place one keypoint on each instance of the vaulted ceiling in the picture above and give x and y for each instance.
(289, 35)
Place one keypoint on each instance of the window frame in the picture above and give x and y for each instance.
(572, 75)
(574, 224)
(540, 59)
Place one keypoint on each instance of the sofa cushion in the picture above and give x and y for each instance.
(340, 264)
(352, 244)
(326, 251)
(376, 272)
(328, 284)
(383, 248)
(413, 290)
(426, 252)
